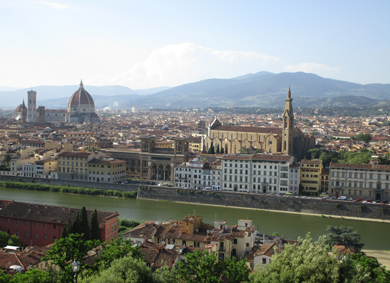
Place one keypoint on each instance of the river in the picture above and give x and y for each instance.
(375, 235)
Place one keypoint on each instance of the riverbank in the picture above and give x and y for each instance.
(67, 189)
(277, 211)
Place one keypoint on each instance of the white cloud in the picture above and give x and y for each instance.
(177, 64)
(54, 5)
(311, 68)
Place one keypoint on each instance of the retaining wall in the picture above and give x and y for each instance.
(315, 206)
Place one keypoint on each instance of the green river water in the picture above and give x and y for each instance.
(375, 235)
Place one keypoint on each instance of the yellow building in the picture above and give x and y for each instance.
(48, 165)
(73, 165)
(106, 170)
(311, 175)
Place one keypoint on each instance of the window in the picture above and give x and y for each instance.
(35, 236)
(44, 237)
(54, 226)
(264, 261)
(26, 222)
(235, 241)
(26, 234)
(35, 223)
(44, 225)
(17, 221)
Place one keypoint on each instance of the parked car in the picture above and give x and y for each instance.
(333, 198)
(349, 199)
(326, 198)
(368, 200)
(342, 198)
(374, 202)
(358, 199)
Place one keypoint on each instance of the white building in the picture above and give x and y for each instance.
(259, 173)
(197, 174)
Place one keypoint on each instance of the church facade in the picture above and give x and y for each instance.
(287, 140)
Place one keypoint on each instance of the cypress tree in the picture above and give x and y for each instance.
(84, 224)
(226, 149)
(222, 151)
(68, 229)
(217, 150)
(76, 225)
(94, 227)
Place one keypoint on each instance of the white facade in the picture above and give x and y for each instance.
(260, 173)
(196, 175)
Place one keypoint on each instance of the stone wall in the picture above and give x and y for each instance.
(91, 185)
(315, 206)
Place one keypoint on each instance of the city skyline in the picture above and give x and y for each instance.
(151, 44)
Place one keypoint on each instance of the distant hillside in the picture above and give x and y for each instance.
(266, 90)
(261, 90)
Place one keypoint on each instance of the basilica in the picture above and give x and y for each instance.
(286, 140)
(81, 108)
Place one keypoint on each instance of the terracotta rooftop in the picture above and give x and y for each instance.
(46, 213)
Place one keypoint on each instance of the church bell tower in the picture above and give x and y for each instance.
(288, 126)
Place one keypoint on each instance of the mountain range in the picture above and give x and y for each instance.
(261, 90)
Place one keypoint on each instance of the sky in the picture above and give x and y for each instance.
(146, 43)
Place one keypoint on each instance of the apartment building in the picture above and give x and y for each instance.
(259, 173)
(73, 165)
(197, 174)
(365, 181)
(106, 170)
(311, 175)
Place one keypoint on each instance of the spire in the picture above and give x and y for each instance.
(81, 84)
(289, 92)
(23, 103)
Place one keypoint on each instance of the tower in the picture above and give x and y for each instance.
(288, 126)
(32, 106)
(23, 118)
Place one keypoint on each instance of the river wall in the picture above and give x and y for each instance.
(90, 185)
(298, 205)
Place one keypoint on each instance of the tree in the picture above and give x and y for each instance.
(116, 249)
(76, 225)
(7, 158)
(211, 149)
(345, 236)
(369, 268)
(217, 150)
(122, 270)
(200, 267)
(305, 262)
(226, 148)
(222, 151)
(32, 276)
(65, 250)
(84, 224)
(14, 241)
(94, 227)
(4, 278)
(67, 230)
(4, 236)
(236, 270)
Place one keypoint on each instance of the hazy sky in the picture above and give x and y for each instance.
(143, 44)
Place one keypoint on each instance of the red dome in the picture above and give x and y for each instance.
(81, 96)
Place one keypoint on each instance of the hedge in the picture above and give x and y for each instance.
(66, 189)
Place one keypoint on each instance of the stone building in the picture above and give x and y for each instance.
(288, 139)
(311, 172)
(81, 107)
(152, 162)
(365, 181)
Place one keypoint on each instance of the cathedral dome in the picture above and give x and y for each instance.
(20, 108)
(80, 97)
